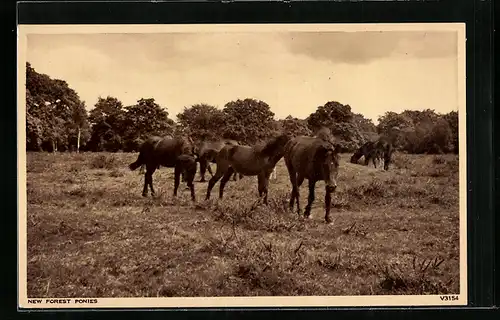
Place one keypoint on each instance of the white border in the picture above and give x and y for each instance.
(298, 301)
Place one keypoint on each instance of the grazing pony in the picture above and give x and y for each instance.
(207, 151)
(258, 160)
(369, 151)
(387, 149)
(167, 152)
(375, 151)
(314, 159)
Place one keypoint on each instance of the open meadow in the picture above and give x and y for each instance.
(92, 234)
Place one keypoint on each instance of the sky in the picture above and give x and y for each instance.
(293, 72)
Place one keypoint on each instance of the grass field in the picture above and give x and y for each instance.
(92, 234)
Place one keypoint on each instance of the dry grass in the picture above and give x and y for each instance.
(91, 233)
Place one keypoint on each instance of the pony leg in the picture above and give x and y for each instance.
(328, 204)
(300, 180)
(310, 200)
(225, 179)
(293, 181)
(237, 176)
(145, 189)
(292, 174)
(148, 180)
(177, 174)
(367, 160)
(213, 181)
(191, 189)
(263, 183)
(203, 168)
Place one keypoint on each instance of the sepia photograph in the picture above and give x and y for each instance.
(244, 165)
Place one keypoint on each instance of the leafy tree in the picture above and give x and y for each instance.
(392, 119)
(34, 133)
(248, 120)
(329, 114)
(341, 122)
(108, 124)
(440, 139)
(54, 113)
(144, 119)
(204, 122)
(79, 126)
(34, 122)
(364, 124)
(366, 127)
(452, 118)
(422, 131)
(424, 116)
(294, 126)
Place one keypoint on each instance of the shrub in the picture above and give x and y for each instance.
(416, 279)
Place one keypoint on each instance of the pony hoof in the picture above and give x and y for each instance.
(144, 195)
(328, 221)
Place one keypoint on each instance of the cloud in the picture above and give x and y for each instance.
(364, 47)
(293, 73)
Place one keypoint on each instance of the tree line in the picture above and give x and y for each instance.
(57, 120)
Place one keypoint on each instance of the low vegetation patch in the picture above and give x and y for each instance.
(103, 162)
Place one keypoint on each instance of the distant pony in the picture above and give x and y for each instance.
(375, 151)
(369, 152)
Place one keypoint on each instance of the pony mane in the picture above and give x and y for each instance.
(268, 148)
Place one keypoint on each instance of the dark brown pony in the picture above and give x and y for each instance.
(207, 151)
(387, 149)
(314, 159)
(258, 160)
(369, 151)
(167, 152)
(375, 150)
